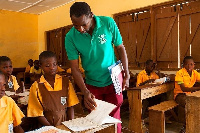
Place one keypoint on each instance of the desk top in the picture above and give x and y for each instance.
(194, 94)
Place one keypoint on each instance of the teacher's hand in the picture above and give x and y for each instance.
(89, 101)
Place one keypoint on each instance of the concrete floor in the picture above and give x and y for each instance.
(173, 127)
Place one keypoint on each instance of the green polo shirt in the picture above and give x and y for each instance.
(96, 51)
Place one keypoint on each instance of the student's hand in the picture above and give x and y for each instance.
(89, 101)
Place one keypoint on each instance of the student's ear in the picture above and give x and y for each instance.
(92, 15)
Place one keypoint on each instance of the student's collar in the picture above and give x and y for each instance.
(43, 80)
(3, 103)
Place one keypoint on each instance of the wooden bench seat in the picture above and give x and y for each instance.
(157, 116)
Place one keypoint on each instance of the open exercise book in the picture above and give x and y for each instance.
(95, 119)
(116, 76)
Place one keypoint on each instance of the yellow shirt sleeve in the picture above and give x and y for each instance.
(179, 78)
(198, 76)
(139, 79)
(59, 69)
(72, 97)
(17, 115)
(16, 85)
(27, 68)
(34, 107)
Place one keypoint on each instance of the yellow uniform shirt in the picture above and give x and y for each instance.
(35, 108)
(182, 77)
(15, 84)
(59, 69)
(9, 114)
(142, 77)
(27, 69)
(33, 70)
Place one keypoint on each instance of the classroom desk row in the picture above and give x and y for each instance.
(135, 97)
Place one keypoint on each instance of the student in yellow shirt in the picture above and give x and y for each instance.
(51, 95)
(30, 64)
(7, 69)
(184, 81)
(147, 76)
(10, 114)
(35, 69)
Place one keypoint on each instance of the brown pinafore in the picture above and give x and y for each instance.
(54, 110)
(10, 88)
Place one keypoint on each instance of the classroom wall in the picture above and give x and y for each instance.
(59, 17)
(18, 37)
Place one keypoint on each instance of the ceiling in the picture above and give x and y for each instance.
(31, 6)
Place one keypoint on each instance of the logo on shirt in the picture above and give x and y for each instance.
(63, 100)
(102, 38)
(10, 84)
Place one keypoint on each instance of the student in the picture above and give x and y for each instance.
(184, 82)
(51, 95)
(7, 69)
(36, 68)
(30, 64)
(10, 114)
(148, 75)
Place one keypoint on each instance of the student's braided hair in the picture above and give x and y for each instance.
(4, 59)
(45, 55)
(80, 8)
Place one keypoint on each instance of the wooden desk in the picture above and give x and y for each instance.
(107, 128)
(192, 113)
(135, 97)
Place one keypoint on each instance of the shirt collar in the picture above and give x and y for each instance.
(3, 102)
(43, 80)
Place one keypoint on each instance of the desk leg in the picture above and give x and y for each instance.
(135, 109)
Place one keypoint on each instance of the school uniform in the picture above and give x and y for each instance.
(12, 84)
(182, 77)
(59, 69)
(10, 116)
(142, 77)
(51, 102)
(33, 70)
(28, 68)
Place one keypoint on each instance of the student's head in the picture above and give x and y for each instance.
(30, 62)
(48, 62)
(2, 84)
(81, 16)
(36, 64)
(150, 66)
(188, 63)
(6, 65)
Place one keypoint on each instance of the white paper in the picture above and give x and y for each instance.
(102, 110)
(48, 128)
(95, 119)
(9, 93)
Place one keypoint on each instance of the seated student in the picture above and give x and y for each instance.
(52, 94)
(7, 69)
(147, 76)
(30, 64)
(35, 69)
(184, 82)
(11, 115)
